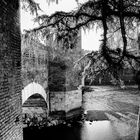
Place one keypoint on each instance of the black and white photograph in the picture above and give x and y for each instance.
(69, 69)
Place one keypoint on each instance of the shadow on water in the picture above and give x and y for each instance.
(96, 127)
(96, 130)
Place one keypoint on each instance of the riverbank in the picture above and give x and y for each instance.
(112, 108)
(120, 106)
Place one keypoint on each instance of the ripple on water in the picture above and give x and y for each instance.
(98, 130)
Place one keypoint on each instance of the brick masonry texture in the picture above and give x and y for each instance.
(65, 101)
(10, 67)
(34, 63)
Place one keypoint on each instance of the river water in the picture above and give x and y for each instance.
(96, 126)
(95, 130)
(98, 130)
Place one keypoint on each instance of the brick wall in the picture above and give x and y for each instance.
(34, 62)
(65, 101)
(57, 101)
(73, 99)
(10, 81)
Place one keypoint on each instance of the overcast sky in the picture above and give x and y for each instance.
(90, 39)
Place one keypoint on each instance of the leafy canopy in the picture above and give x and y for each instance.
(111, 15)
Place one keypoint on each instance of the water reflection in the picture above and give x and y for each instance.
(87, 130)
(98, 130)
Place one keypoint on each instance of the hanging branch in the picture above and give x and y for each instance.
(105, 28)
(123, 32)
(101, 12)
(32, 6)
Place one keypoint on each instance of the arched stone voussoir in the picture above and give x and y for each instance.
(32, 89)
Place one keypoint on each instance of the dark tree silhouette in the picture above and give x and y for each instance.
(110, 15)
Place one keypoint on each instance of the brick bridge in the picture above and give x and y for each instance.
(34, 70)
(21, 69)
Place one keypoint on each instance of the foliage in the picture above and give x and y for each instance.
(117, 16)
(33, 6)
(30, 5)
(62, 76)
(40, 120)
(96, 67)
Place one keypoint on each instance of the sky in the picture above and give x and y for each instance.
(90, 38)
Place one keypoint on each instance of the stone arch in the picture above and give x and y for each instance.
(32, 89)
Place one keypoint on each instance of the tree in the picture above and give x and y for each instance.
(62, 76)
(112, 16)
(33, 6)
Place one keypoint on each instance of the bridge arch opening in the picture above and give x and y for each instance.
(31, 89)
(35, 100)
